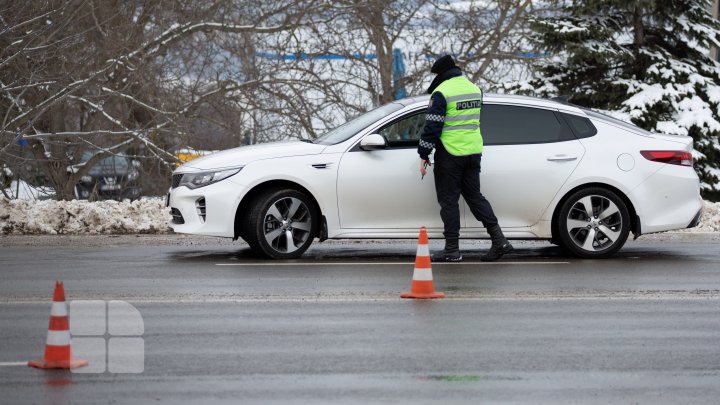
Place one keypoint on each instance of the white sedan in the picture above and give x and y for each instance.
(551, 171)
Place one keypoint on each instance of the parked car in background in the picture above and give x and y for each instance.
(112, 178)
(551, 170)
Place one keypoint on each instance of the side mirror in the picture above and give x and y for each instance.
(373, 142)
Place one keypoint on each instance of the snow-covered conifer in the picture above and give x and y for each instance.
(647, 61)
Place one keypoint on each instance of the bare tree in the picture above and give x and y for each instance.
(347, 60)
(489, 39)
(145, 77)
(116, 75)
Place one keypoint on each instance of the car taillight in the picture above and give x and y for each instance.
(673, 157)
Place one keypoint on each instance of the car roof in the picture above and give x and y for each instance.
(505, 99)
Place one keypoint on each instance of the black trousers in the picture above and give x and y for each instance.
(455, 176)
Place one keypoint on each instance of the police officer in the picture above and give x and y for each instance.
(452, 128)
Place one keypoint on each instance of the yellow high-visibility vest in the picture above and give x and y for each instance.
(461, 131)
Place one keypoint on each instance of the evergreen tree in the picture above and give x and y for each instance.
(647, 61)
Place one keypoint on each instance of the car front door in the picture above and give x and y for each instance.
(529, 153)
(381, 190)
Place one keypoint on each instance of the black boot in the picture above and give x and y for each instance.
(500, 245)
(451, 252)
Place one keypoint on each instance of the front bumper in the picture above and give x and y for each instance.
(221, 201)
(104, 192)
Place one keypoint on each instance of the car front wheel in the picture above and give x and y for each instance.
(281, 224)
(594, 223)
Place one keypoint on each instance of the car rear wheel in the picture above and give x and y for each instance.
(594, 223)
(281, 224)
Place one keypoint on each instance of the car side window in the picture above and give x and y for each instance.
(515, 125)
(404, 132)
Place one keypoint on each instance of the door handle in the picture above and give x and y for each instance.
(561, 158)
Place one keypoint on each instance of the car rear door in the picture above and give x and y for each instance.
(529, 153)
(382, 189)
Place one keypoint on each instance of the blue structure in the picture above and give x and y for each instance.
(304, 56)
(519, 55)
(398, 72)
(398, 66)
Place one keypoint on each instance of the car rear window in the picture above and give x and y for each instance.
(581, 126)
(513, 125)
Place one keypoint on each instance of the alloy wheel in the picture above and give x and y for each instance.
(287, 224)
(594, 223)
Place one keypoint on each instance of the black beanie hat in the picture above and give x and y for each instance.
(442, 65)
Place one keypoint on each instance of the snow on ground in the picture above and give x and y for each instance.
(80, 217)
(83, 217)
(710, 219)
(26, 191)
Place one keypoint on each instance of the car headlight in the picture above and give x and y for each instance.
(202, 179)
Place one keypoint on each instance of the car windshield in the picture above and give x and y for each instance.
(352, 127)
(118, 162)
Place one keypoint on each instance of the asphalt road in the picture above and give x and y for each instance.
(221, 325)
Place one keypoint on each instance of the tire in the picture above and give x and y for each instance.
(268, 224)
(597, 232)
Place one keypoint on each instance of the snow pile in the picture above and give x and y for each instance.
(710, 218)
(83, 217)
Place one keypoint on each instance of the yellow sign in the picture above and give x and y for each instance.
(186, 155)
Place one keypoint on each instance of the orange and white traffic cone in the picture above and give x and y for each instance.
(58, 352)
(422, 283)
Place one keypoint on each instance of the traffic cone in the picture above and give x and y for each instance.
(422, 283)
(58, 352)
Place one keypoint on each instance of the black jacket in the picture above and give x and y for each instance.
(435, 117)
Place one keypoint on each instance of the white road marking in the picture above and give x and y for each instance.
(713, 295)
(13, 363)
(383, 263)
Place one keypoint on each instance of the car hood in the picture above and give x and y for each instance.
(245, 154)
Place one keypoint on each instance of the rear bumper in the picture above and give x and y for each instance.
(696, 220)
(668, 200)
